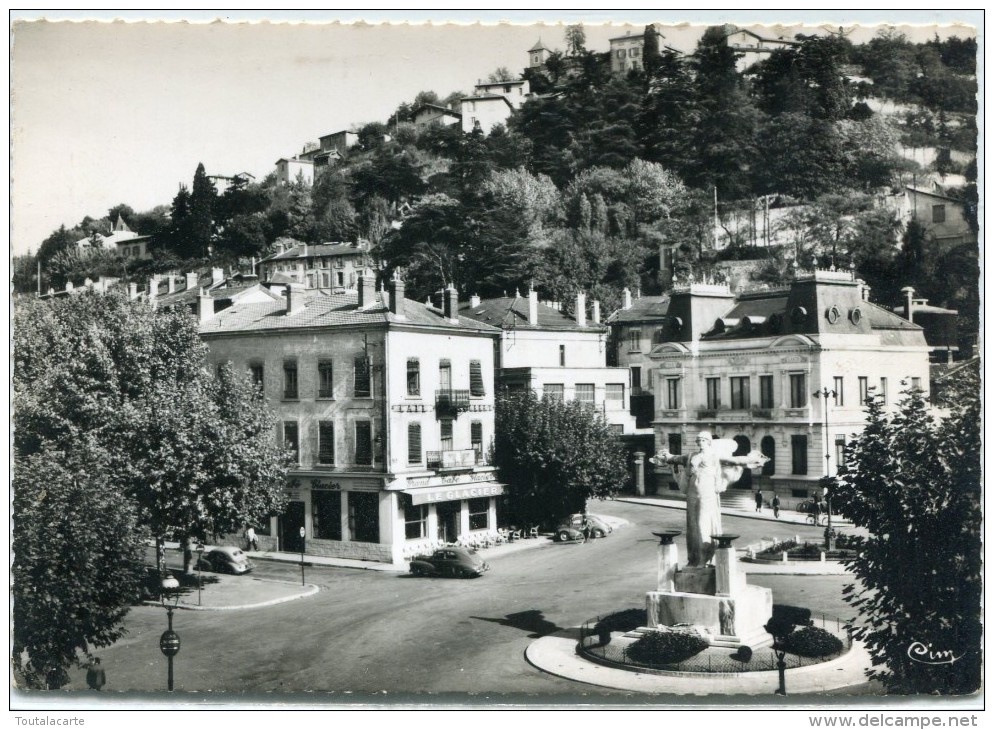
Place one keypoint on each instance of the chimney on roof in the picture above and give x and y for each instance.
(596, 314)
(191, 280)
(626, 298)
(450, 303)
(474, 301)
(532, 305)
(397, 294)
(581, 309)
(205, 306)
(864, 290)
(294, 298)
(217, 275)
(367, 291)
(132, 290)
(909, 303)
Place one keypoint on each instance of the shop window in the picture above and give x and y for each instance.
(445, 434)
(766, 391)
(585, 393)
(614, 393)
(415, 520)
(476, 439)
(479, 514)
(713, 386)
(476, 378)
(673, 393)
(740, 393)
(414, 443)
(290, 380)
(326, 380)
(413, 376)
(799, 454)
(364, 516)
(326, 442)
(363, 387)
(291, 439)
(326, 514)
(363, 443)
(553, 391)
(798, 390)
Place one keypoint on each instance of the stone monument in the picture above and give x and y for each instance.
(710, 595)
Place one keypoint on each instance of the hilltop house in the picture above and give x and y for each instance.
(326, 266)
(492, 103)
(751, 48)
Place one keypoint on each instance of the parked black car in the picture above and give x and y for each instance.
(451, 562)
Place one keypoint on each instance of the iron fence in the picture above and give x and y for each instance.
(603, 640)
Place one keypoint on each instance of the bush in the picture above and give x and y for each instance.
(665, 647)
(812, 641)
(743, 653)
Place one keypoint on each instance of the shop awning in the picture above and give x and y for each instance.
(438, 491)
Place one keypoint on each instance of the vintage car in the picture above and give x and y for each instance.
(451, 561)
(226, 560)
(574, 531)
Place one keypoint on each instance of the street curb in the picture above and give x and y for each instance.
(311, 589)
(677, 504)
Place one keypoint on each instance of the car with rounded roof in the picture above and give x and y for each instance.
(451, 561)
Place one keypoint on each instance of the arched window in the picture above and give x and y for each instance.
(768, 447)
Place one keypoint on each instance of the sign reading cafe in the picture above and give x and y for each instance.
(452, 487)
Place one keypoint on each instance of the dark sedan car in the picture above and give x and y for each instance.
(451, 562)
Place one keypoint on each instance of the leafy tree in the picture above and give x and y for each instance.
(77, 561)
(201, 218)
(554, 456)
(122, 433)
(914, 485)
(58, 241)
(576, 39)
(503, 73)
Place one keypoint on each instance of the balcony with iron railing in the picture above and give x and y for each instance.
(451, 402)
(455, 458)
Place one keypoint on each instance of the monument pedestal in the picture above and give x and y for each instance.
(716, 599)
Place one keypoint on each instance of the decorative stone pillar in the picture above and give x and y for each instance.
(667, 563)
(726, 575)
(640, 473)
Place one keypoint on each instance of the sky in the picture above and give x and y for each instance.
(122, 112)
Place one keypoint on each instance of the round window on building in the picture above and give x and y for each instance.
(855, 315)
(832, 314)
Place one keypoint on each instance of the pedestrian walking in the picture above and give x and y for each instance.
(96, 677)
(759, 500)
(775, 503)
(250, 538)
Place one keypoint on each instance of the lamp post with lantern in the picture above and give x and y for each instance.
(169, 641)
(825, 394)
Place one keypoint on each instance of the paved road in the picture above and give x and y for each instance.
(368, 632)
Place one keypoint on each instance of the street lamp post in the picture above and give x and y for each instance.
(825, 394)
(169, 641)
(200, 557)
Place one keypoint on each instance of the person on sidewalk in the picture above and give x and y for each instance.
(759, 500)
(775, 503)
(251, 539)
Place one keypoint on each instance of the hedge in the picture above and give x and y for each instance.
(665, 647)
(812, 641)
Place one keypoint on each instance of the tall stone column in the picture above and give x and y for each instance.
(640, 473)
(667, 562)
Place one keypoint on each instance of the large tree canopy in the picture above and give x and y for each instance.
(914, 484)
(554, 456)
(122, 433)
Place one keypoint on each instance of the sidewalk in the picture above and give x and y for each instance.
(786, 516)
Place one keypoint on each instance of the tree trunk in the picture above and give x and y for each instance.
(187, 545)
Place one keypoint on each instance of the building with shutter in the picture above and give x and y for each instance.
(324, 266)
(388, 405)
(746, 366)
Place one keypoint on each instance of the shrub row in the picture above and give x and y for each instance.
(665, 647)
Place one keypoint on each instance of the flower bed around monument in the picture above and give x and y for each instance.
(603, 640)
(804, 551)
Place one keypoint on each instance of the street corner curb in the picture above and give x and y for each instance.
(309, 590)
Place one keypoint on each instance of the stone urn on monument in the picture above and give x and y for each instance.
(709, 595)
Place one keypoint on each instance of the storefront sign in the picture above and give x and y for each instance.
(449, 494)
(442, 481)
